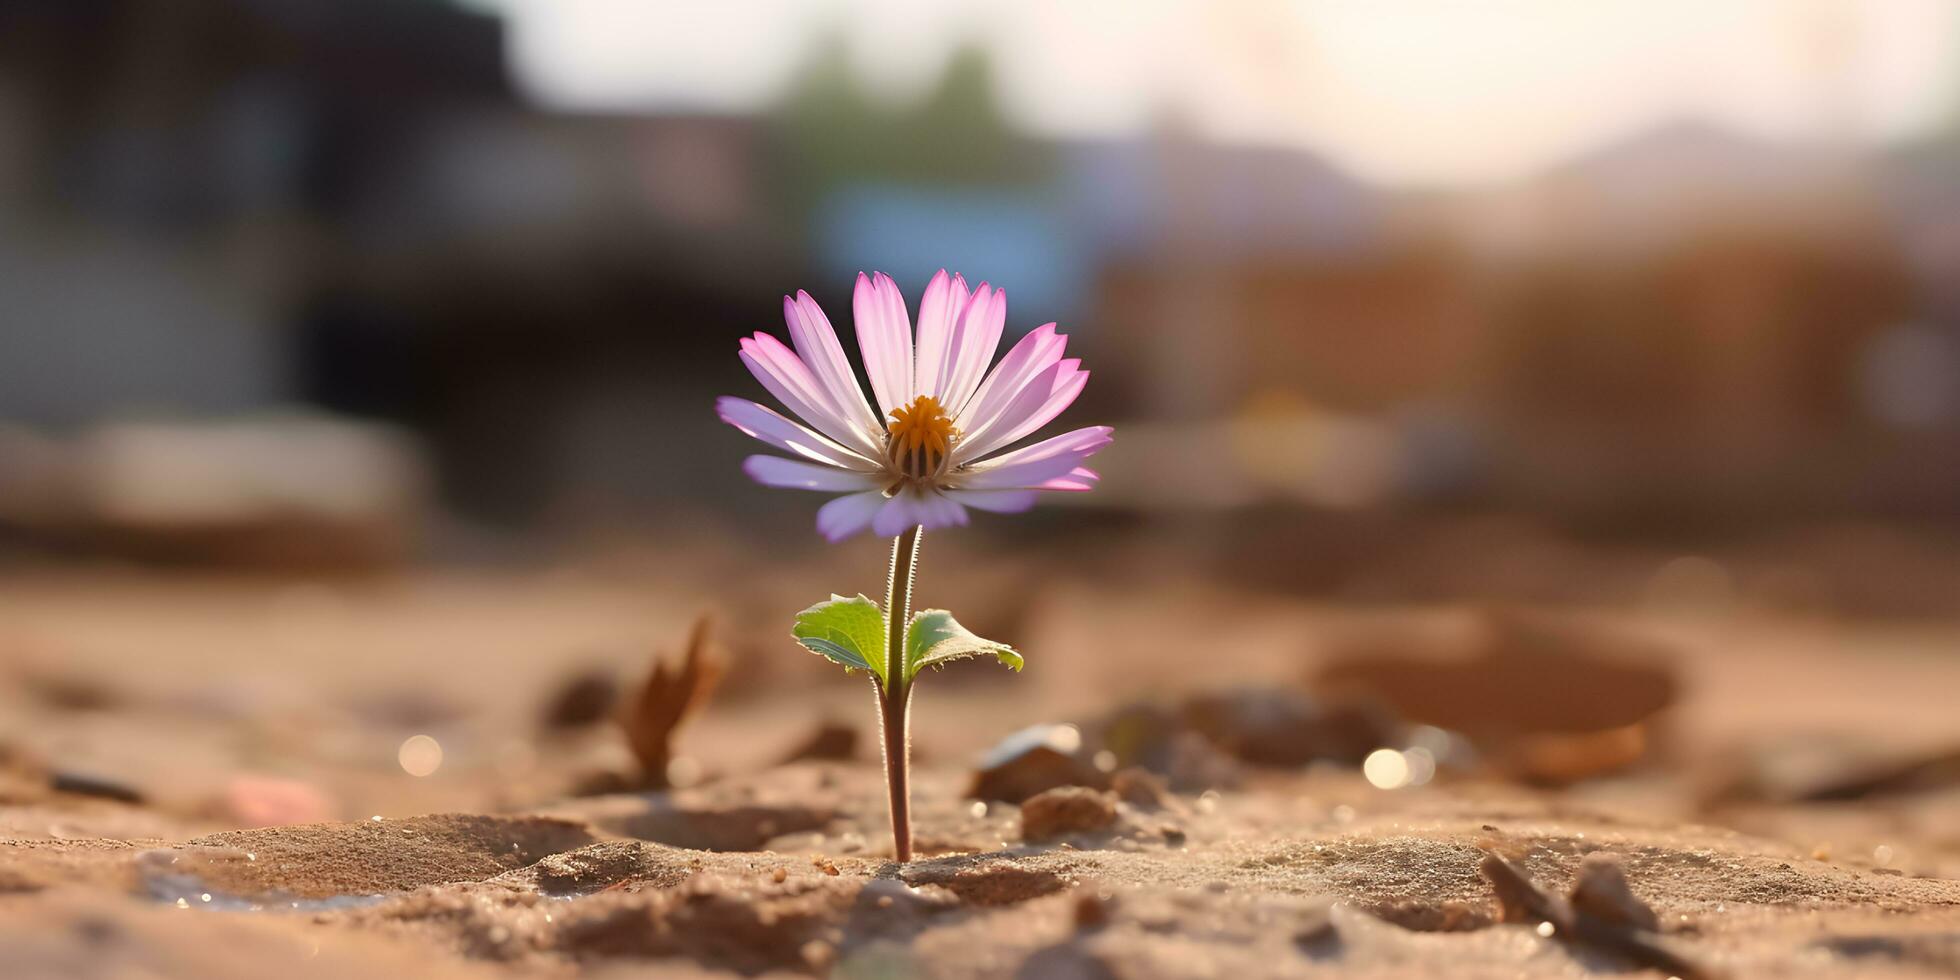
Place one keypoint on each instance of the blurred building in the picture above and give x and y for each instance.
(1681, 319)
(215, 207)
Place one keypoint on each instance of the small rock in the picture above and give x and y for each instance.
(1279, 727)
(1317, 937)
(14, 881)
(1198, 767)
(1092, 910)
(1070, 960)
(1066, 810)
(887, 893)
(603, 864)
(1032, 760)
(1140, 788)
(604, 782)
(1139, 734)
(824, 865)
(71, 692)
(988, 881)
(585, 700)
(818, 955)
(85, 784)
(1152, 737)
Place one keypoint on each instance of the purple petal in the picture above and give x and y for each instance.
(766, 424)
(976, 339)
(1079, 480)
(884, 332)
(915, 508)
(1089, 438)
(1029, 357)
(1034, 353)
(1037, 465)
(939, 312)
(1051, 391)
(816, 343)
(789, 380)
(997, 501)
(775, 471)
(845, 516)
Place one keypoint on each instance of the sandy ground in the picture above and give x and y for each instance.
(207, 776)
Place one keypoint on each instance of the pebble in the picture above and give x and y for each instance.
(1066, 810)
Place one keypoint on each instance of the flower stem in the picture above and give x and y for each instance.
(895, 696)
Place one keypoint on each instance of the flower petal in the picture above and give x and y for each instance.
(775, 471)
(1089, 439)
(1034, 353)
(997, 501)
(764, 423)
(1079, 480)
(845, 516)
(939, 312)
(816, 343)
(1036, 466)
(790, 381)
(1051, 391)
(884, 333)
(972, 350)
(912, 507)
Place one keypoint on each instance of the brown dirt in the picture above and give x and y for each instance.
(1399, 876)
(369, 858)
(758, 868)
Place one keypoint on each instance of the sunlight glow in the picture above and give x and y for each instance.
(1399, 90)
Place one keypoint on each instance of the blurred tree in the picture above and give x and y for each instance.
(832, 133)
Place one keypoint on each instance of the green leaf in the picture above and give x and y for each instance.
(935, 637)
(848, 631)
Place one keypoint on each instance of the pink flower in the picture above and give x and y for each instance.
(928, 453)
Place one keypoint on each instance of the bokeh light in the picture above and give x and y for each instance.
(420, 755)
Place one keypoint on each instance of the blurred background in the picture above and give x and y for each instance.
(488, 260)
(347, 343)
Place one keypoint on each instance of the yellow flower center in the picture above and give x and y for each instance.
(921, 437)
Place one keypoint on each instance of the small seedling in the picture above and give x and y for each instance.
(933, 454)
